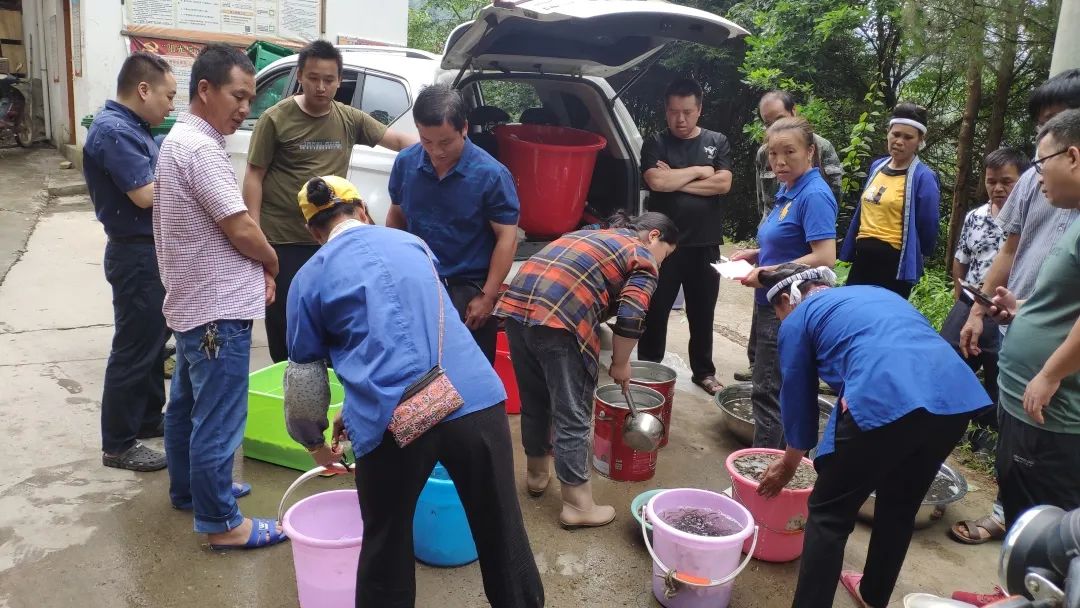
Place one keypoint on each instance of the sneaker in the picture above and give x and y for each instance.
(137, 458)
(745, 375)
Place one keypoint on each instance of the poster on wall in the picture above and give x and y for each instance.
(179, 55)
(297, 19)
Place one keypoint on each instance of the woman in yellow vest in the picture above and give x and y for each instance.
(896, 222)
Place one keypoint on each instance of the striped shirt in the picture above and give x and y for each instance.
(1040, 226)
(205, 277)
(581, 279)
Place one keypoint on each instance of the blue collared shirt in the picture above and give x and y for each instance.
(369, 303)
(803, 214)
(878, 353)
(454, 214)
(119, 156)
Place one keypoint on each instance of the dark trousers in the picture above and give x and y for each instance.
(765, 393)
(986, 360)
(899, 461)
(291, 258)
(876, 263)
(1036, 467)
(135, 374)
(462, 291)
(556, 390)
(478, 455)
(751, 344)
(688, 268)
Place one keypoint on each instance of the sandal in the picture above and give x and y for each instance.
(137, 458)
(263, 534)
(239, 490)
(980, 599)
(851, 579)
(968, 531)
(709, 383)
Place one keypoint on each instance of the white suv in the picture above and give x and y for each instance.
(538, 61)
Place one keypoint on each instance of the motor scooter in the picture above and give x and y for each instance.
(1039, 565)
(15, 116)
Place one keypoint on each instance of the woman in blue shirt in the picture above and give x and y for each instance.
(894, 425)
(370, 303)
(802, 228)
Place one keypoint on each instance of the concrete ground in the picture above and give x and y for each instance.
(75, 533)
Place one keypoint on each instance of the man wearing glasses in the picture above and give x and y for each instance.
(1032, 227)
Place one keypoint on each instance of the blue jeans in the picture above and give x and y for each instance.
(204, 423)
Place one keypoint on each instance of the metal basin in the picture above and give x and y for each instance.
(741, 423)
(931, 510)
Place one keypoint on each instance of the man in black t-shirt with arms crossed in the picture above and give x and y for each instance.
(687, 169)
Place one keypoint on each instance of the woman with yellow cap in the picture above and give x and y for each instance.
(370, 304)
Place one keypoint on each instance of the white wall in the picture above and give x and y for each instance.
(381, 20)
(103, 53)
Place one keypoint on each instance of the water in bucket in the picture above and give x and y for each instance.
(702, 558)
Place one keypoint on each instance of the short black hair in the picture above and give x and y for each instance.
(319, 49)
(684, 87)
(1065, 127)
(1003, 157)
(214, 65)
(784, 97)
(1061, 90)
(437, 104)
(911, 111)
(141, 66)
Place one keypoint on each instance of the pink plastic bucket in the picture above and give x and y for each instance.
(691, 571)
(325, 531)
(782, 518)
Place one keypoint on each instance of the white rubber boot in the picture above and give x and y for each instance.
(537, 474)
(580, 511)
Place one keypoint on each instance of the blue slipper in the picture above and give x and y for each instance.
(239, 490)
(263, 534)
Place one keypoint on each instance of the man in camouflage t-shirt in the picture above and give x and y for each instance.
(301, 137)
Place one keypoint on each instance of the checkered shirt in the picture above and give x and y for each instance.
(580, 280)
(205, 277)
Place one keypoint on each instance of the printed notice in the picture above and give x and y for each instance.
(299, 19)
(266, 17)
(238, 17)
(204, 15)
(151, 12)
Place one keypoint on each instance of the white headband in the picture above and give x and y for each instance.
(918, 126)
(822, 274)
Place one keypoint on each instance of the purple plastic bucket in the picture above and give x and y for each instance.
(325, 531)
(707, 565)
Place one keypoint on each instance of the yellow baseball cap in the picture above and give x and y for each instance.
(341, 191)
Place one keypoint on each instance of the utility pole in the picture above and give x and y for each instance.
(1067, 43)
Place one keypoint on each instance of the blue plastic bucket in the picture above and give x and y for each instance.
(441, 533)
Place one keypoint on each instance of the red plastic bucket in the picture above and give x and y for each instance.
(611, 457)
(661, 379)
(552, 169)
(782, 518)
(505, 369)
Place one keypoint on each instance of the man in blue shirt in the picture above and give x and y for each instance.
(462, 203)
(370, 303)
(119, 158)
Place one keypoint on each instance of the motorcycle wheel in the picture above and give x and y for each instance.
(24, 133)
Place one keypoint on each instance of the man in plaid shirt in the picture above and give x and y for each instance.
(553, 311)
(218, 271)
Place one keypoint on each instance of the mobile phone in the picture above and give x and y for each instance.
(977, 294)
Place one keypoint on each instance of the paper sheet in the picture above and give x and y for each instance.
(733, 270)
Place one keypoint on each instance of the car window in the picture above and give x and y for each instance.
(347, 91)
(512, 96)
(270, 91)
(384, 99)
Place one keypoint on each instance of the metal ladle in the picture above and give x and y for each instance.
(641, 431)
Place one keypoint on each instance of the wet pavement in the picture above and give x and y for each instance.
(73, 533)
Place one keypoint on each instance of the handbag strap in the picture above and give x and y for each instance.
(442, 309)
